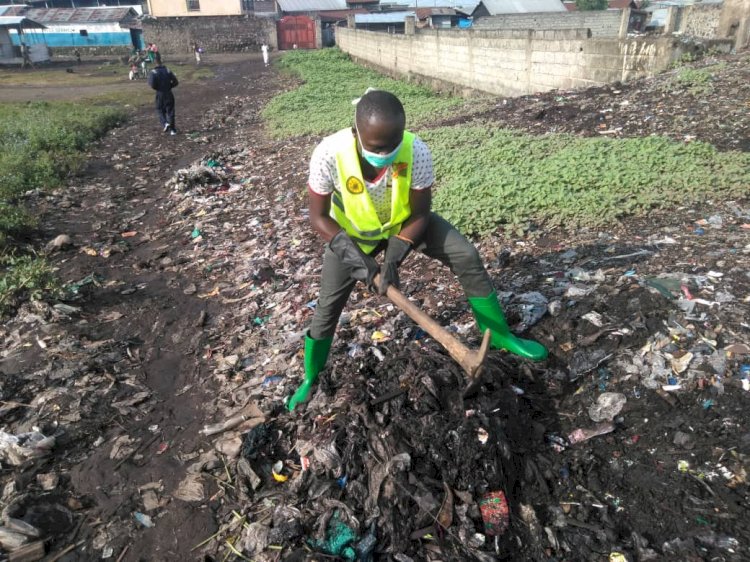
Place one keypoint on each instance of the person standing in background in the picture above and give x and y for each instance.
(264, 49)
(197, 51)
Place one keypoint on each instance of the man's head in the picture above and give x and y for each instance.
(380, 121)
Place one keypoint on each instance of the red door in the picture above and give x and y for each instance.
(296, 30)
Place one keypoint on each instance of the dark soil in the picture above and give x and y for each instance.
(198, 316)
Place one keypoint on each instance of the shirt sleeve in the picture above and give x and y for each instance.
(322, 169)
(422, 172)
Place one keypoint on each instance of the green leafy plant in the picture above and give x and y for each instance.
(323, 103)
(588, 5)
(488, 179)
(25, 277)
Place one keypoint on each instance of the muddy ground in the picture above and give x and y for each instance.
(188, 293)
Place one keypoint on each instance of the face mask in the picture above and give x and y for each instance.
(379, 160)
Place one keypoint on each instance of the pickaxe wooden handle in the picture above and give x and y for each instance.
(471, 361)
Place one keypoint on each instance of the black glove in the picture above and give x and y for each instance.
(362, 267)
(395, 253)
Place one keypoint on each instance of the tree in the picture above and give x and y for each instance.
(592, 4)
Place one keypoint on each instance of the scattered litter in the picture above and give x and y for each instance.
(607, 406)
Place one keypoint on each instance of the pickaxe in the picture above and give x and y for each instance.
(471, 361)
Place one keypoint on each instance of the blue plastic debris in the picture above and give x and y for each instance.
(604, 376)
(342, 481)
(707, 403)
(419, 334)
(143, 519)
(271, 380)
(699, 231)
(671, 381)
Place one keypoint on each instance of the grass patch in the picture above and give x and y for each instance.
(697, 81)
(25, 277)
(40, 144)
(323, 104)
(488, 178)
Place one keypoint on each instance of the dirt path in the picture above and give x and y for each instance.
(150, 332)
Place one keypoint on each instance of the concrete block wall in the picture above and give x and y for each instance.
(216, 34)
(700, 20)
(510, 62)
(601, 23)
(735, 22)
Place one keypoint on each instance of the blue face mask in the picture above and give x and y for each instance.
(377, 160)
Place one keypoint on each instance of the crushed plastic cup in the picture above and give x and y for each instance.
(495, 513)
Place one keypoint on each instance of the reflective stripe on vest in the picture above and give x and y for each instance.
(352, 207)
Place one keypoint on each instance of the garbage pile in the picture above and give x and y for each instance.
(636, 411)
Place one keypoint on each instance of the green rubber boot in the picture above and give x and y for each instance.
(316, 354)
(489, 314)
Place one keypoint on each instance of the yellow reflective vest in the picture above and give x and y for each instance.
(351, 205)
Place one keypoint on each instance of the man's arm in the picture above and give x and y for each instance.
(173, 79)
(320, 219)
(420, 201)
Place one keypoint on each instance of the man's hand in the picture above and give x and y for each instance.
(362, 267)
(395, 253)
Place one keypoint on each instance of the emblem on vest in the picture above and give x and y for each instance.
(354, 185)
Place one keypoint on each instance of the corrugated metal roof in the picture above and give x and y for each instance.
(385, 17)
(338, 15)
(423, 13)
(311, 5)
(500, 7)
(15, 21)
(78, 15)
(465, 6)
(12, 10)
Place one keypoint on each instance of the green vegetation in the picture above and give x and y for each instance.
(697, 81)
(487, 178)
(25, 276)
(323, 104)
(41, 143)
(592, 4)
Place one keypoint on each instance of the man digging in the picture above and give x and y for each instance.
(370, 190)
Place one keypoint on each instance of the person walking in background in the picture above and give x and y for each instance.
(264, 49)
(163, 80)
(197, 51)
(26, 56)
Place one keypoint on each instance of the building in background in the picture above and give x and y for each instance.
(82, 27)
(26, 30)
(175, 8)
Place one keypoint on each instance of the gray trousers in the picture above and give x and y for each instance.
(441, 241)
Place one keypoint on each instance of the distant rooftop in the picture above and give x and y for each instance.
(501, 7)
